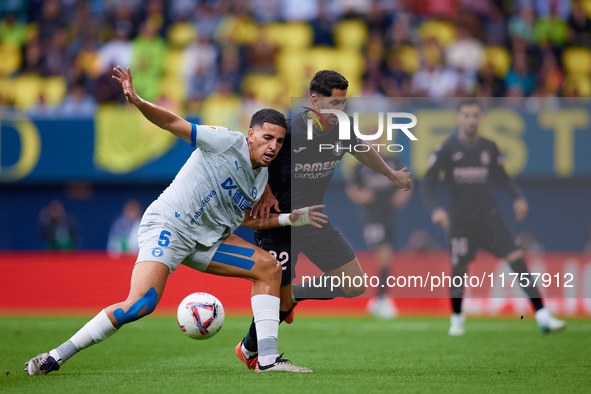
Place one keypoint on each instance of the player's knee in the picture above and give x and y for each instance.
(354, 291)
(270, 267)
(136, 307)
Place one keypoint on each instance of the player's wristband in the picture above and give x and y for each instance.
(284, 220)
(301, 221)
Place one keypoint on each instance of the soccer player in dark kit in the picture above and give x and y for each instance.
(471, 163)
(378, 199)
(301, 174)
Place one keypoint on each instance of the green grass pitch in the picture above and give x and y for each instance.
(347, 355)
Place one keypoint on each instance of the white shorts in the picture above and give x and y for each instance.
(161, 242)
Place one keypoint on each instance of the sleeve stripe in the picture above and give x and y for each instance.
(193, 135)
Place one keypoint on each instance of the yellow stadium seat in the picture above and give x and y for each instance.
(580, 83)
(175, 58)
(443, 32)
(265, 87)
(587, 7)
(351, 33)
(577, 60)
(27, 89)
(499, 57)
(292, 35)
(409, 59)
(7, 91)
(322, 58)
(181, 34)
(10, 58)
(293, 68)
(174, 88)
(54, 90)
(350, 63)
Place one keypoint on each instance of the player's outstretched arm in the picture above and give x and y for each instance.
(373, 160)
(299, 217)
(161, 117)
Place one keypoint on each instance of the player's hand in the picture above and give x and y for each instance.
(124, 78)
(402, 179)
(520, 209)
(314, 217)
(440, 218)
(264, 205)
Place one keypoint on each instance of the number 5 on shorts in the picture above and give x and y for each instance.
(163, 241)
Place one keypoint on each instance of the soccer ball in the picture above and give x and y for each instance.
(200, 315)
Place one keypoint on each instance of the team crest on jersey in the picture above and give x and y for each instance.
(457, 156)
(485, 157)
(157, 252)
(338, 147)
(253, 193)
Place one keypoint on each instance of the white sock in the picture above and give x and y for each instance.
(95, 331)
(265, 310)
(248, 353)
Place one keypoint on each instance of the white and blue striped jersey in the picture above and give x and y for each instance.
(207, 198)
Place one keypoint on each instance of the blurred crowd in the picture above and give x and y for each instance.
(221, 57)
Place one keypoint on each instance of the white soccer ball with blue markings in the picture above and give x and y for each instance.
(200, 315)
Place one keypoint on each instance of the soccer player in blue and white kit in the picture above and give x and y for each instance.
(191, 223)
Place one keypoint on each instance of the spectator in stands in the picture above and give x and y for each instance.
(397, 81)
(465, 52)
(301, 10)
(495, 28)
(222, 107)
(266, 11)
(521, 77)
(489, 84)
(323, 26)
(57, 58)
(52, 20)
(579, 26)
(522, 24)
(78, 103)
(261, 54)
(551, 75)
(149, 55)
(58, 230)
(118, 51)
(551, 29)
(200, 68)
(123, 232)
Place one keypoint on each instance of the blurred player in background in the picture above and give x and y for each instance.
(299, 176)
(378, 199)
(471, 163)
(191, 223)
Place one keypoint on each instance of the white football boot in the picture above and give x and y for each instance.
(548, 323)
(281, 365)
(41, 365)
(457, 325)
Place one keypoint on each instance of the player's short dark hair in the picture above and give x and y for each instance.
(469, 101)
(325, 81)
(268, 115)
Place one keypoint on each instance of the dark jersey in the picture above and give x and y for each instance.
(300, 174)
(469, 170)
(366, 178)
